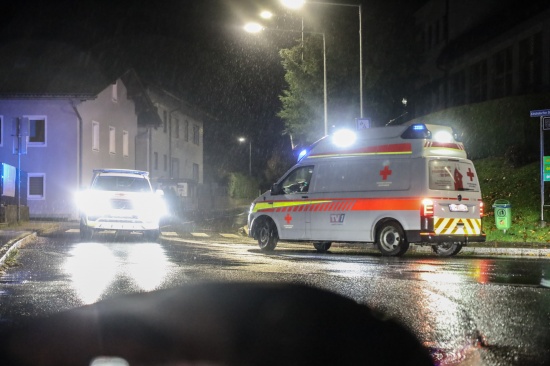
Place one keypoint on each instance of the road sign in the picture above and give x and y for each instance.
(363, 123)
(546, 168)
(540, 113)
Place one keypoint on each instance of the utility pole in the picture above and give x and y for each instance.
(20, 132)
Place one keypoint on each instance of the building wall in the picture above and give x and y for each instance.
(110, 110)
(54, 162)
(489, 61)
(177, 145)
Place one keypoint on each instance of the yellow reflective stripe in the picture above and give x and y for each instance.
(271, 205)
(446, 226)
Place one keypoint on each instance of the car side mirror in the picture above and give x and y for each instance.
(276, 189)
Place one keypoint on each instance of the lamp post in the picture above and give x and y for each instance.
(256, 28)
(297, 4)
(243, 139)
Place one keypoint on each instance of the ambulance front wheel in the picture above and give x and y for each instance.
(322, 246)
(267, 235)
(391, 240)
(447, 249)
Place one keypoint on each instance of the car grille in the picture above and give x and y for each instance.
(120, 204)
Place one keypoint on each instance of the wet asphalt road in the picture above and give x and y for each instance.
(469, 311)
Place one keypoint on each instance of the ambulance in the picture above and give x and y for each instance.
(388, 186)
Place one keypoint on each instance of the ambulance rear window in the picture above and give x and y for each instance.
(453, 175)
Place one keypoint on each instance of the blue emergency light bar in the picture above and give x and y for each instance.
(417, 131)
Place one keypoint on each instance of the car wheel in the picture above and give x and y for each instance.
(391, 240)
(85, 232)
(267, 235)
(447, 249)
(152, 235)
(322, 246)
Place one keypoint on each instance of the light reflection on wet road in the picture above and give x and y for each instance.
(485, 311)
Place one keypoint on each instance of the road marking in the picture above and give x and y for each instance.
(169, 233)
(203, 235)
(229, 235)
(73, 231)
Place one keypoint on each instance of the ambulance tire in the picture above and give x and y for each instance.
(390, 239)
(447, 249)
(267, 235)
(322, 246)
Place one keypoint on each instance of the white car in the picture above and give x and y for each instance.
(121, 200)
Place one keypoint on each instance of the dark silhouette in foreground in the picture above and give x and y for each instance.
(216, 324)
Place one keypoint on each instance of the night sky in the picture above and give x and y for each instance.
(196, 49)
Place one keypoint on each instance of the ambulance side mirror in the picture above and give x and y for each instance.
(276, 189)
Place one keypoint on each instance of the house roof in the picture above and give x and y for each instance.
(47, 69)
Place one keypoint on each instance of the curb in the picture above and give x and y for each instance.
(15, 244)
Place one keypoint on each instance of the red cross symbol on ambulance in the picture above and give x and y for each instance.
(386, 172)
(458, 180)
(470, 174)
(288, 218)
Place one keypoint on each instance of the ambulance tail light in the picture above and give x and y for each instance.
(427, 215)
(427, 209)
(481, 209)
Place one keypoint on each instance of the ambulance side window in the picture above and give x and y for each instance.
(298, 180)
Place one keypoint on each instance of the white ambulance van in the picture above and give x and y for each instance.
(391, 186)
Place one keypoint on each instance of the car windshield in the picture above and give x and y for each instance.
(118, 183)
(169, 153)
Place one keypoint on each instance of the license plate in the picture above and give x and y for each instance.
(458, 208)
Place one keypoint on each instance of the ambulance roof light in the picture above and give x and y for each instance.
(302, 154)
(443, 136)
(417, 131)
(344, 138)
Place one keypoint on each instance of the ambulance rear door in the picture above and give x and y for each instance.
(456, 196)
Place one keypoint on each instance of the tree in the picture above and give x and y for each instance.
(302, 101)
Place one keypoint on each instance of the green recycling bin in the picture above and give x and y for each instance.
(503, 214)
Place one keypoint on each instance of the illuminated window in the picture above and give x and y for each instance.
(36, 183)
(95, 136)
(112, 141)
(125, 143)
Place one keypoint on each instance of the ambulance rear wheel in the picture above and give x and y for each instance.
(267, 235)
(322, 246)
(447, 249)
(391, 240)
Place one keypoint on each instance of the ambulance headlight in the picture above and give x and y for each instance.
(344, 138)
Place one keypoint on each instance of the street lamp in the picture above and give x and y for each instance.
(253, 27)
(297, 4)
(243, 139)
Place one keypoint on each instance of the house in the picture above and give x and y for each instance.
(173, 151)
(76, 119)
(68, 135)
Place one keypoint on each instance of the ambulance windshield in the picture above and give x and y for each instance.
(453, 175)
